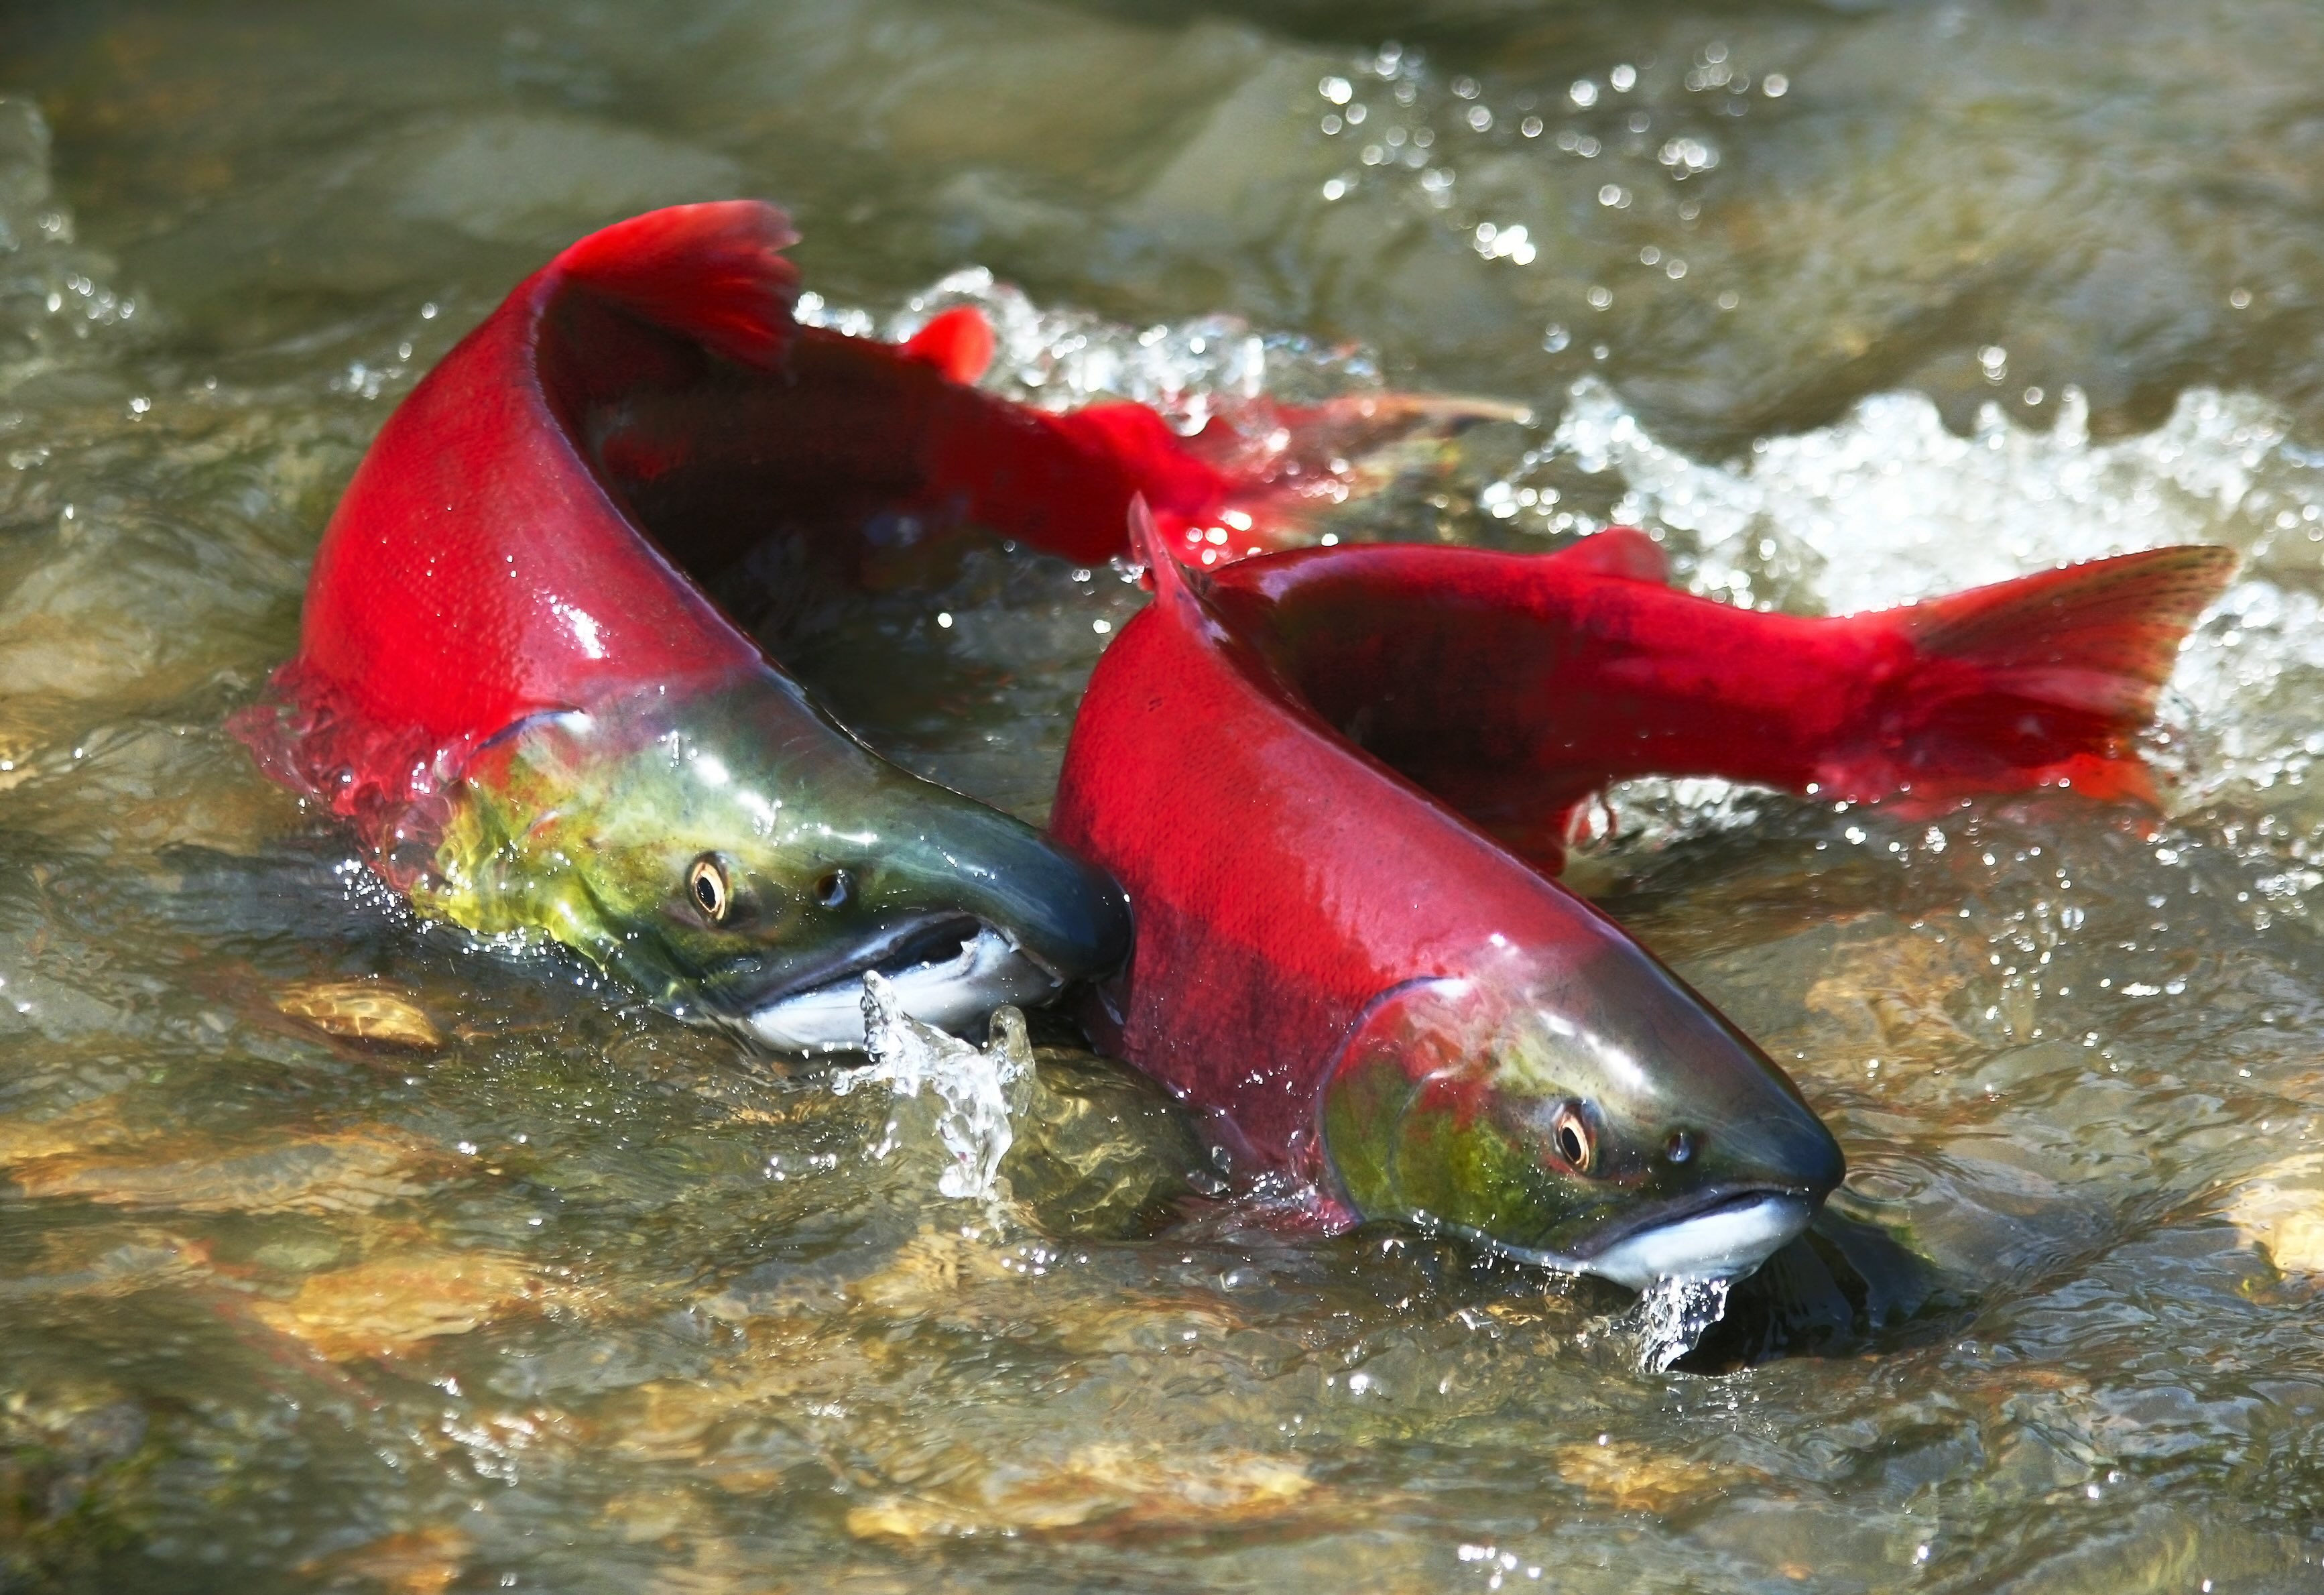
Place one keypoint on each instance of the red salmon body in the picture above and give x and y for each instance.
(528, 532)
(511, 677)
(1325, 775)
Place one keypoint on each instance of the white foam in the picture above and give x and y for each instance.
(1057, 359)
(1673, 1315)
(978, 1088)
(1891, 507)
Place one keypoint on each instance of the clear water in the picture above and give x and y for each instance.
(337, 1253)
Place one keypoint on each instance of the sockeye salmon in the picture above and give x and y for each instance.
(1331, 781)
(510, 679)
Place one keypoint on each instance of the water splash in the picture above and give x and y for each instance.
(52, 290)
(1886, 505)
(1673, 1315)
(978, 1089)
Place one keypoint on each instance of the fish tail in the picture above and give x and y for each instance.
(2042, 681)
(1263, 481)
(713, 272)
(1280, 470)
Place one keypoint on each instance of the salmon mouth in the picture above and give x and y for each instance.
(1722, 1232)
(950, 970)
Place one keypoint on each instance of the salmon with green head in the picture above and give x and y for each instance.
(1335, 784)
(741, 861)
(510, 675)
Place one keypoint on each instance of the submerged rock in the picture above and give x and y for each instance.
(1631, 1477)
(1121, 1484)
(417, 1562)
(2281, 1211)
(387, 1305)
(351, 1171)
(361, 1010)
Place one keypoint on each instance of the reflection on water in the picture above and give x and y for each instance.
(341, 1252)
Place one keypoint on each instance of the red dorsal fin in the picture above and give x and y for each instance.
(958, 341)
(1169, 581)
(712, 273)
(1621, 551)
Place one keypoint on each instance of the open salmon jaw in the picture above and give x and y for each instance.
(1724, 1236)
(951, 975)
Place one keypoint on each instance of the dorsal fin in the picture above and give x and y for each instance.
(1621, 551)
(1173, 583)
(712, 273)
(958, 341)
(1147, 547)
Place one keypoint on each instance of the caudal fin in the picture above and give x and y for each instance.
(2042, 681)
(712, 273)
(1282, 469)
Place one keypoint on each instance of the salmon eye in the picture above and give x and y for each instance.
(708, 885)
(1575, 1142)
(834, 888)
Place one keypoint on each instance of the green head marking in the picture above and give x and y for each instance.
(739, 859)
(1606, 1121)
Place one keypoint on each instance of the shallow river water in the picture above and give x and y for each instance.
(338, 1252)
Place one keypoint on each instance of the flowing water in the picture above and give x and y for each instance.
(339, 1252)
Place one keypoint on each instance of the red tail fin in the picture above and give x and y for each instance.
(2042, 681)
(713, 272)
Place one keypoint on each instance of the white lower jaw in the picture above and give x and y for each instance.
(955, 994)
(1724, 1244)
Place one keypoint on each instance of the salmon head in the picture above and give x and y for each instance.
(510, 677)
(1589, 1112)
(741, 861)
(1375, 993)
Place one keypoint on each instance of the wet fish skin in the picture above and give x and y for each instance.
(1332, 782)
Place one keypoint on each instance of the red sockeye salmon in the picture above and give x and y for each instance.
(1332, 782)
